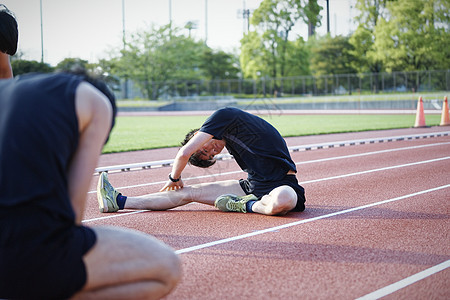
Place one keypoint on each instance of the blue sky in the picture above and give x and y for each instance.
(89, 29)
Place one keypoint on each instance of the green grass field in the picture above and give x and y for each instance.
(140, 133)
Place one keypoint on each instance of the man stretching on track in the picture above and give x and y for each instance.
(270, 189)
(53, 127)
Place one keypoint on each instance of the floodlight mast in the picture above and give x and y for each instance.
(206, 22)
(125, 85)
(170, 13)
(328, 16)
(42, 34)
(123, 24)
(245, 15)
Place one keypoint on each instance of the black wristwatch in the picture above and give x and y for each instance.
(174, 180)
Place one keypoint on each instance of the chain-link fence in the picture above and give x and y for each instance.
(343, 84)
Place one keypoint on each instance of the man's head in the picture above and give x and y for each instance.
(9, 33)
(198, 158)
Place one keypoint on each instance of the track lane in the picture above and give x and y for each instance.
(342, 256)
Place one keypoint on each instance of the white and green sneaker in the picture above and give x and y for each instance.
(106, 195)
(230, 202)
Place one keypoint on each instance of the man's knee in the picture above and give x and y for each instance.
(137, 257)
(283, 200)
(171, 270)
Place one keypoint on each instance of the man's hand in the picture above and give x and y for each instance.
(172, 186)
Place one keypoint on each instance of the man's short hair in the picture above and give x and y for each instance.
(195, 159)
(9, 33)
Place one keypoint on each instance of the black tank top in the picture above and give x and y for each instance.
(38, 137)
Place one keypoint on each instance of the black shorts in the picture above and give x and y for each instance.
(260, 189)
(39, 260)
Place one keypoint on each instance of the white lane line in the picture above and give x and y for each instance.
(114, 216)
(374, 295)
(372, 153)
(303, 182)
(299, 163)
(376, 170)
(405, 282)
(254, 233)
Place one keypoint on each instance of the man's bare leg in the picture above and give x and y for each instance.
(123, 264)
(205, 193)
(127, 264)
(279, 201)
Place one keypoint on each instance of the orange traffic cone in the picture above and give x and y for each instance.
(420, 115)
(445, 119)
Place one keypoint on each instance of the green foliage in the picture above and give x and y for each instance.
(332, 56)
(297, 58)
(415, 36)
(274, 21)
(219, 65)
(157, 57)
(362, 42)
(163, 57)
(391, 35)
(363, 38)
(253, 56)
(70, 63)
(29, 66)
(402, 35)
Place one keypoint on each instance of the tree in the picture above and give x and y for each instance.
(219, 65)
(363, 39)
(332, 55)
(253, 56)
(274, 21)
(158, 58)
(71, 63)
(21, 66)
(414, 36)
(297, 58)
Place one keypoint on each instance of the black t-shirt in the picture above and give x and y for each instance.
(255, 144)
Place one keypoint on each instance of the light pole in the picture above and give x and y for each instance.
(170, 19)
(190, 25)
(125, 84)
(42, 34)
(123, 23)
(328, 16)
(245, 15)
(170, 13)
(206, 21)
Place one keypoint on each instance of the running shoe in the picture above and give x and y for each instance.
(106, 195)
(230, 202)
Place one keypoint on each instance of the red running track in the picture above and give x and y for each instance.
(376, 223)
